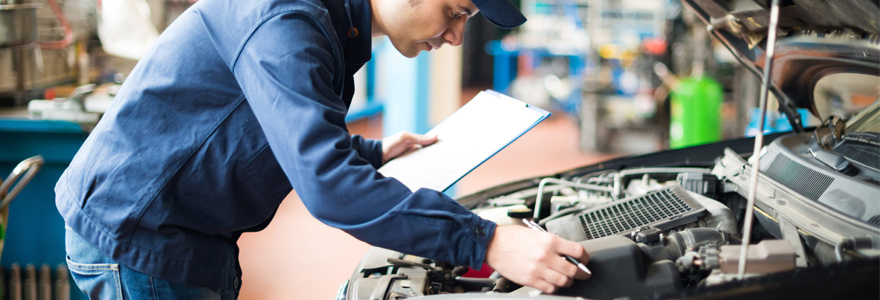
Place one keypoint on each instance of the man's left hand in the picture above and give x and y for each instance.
(395, 145)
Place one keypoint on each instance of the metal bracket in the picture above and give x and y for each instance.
(406, 263)
(383, 285)
(790, 233)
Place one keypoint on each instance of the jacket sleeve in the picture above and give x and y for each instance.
(286, 70)
(368, 149)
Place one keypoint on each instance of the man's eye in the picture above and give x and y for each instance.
(456, 15)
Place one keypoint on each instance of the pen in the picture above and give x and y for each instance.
(531, 224)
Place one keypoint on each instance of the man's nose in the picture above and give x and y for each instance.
(455, 34)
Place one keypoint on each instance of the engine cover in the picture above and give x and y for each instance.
(619, 270)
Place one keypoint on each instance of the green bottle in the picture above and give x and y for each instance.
(695, 112)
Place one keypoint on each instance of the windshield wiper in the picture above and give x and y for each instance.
(820, 147)
(832, 159)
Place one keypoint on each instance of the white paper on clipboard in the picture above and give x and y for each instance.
(466, 139)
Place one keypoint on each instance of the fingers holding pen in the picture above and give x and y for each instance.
(538, 265)
(557, 279)
(558, 271)
(573, 253)
(566, 268)
(577, 252)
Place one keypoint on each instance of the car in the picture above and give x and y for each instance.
(671, 224)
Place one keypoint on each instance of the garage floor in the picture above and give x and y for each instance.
(297, 257)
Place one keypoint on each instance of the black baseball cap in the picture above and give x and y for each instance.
(502, 13)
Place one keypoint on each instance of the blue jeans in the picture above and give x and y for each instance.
(102, 278)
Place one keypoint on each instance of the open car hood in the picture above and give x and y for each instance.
(815, 38)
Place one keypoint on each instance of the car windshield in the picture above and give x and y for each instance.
(861, 144)
(849, 94)
(867, 120)
(849, 106)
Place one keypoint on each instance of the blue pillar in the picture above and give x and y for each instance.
(405, 88)
(405, 85)
(504, 66)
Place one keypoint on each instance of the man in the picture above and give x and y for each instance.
(240, 101)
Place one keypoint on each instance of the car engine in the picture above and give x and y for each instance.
(666, 231)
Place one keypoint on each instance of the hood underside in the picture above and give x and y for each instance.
(816, 38)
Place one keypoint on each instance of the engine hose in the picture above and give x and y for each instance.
(678, 243)
(503, 285)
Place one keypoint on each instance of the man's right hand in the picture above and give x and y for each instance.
(533, 258)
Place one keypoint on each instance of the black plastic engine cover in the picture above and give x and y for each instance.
(619, 270)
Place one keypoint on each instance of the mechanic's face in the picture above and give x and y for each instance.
(416, 25)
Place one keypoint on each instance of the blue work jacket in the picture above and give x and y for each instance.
(237, 103)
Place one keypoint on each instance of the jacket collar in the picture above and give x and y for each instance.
(361, 16)
(357, 48)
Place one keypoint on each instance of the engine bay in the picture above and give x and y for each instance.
(655, 232)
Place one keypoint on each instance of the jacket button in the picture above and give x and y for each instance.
(480, 231)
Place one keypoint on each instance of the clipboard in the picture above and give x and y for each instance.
(466, 139)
